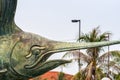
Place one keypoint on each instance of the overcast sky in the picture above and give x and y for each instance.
(52, 19)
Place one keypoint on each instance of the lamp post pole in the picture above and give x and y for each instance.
(108, 54)
(79, 21)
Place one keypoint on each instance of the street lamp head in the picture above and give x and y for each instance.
(75, 20)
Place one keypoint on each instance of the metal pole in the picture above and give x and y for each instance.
(79, 42)
(79, 29)
(108, 55)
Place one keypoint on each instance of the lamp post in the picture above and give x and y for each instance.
(78, 21)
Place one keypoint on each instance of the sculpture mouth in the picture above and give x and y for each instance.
(43, 59)
(43, 65)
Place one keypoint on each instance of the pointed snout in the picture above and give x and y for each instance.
(68, 46)
(49, 47)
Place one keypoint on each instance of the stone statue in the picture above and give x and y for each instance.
(25, 55)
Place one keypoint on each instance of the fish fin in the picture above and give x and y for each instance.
(7, 13)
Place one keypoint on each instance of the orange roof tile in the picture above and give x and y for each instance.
(52, 75)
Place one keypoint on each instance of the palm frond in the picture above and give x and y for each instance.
(113, 67)
(115, 54)
(117, 68)
(94, 33)
(84, 38)
(77, 54)
(104, 36)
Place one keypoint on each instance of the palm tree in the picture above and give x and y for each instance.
(92, 56)
(94, 36)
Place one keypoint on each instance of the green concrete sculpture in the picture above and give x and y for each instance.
(25, 55)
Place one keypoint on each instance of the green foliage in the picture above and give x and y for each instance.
(99, 74)
(117, 77)
(79, 76)
(61, 76)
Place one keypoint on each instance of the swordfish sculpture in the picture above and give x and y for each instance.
(25, 55)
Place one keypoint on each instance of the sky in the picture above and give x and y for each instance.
(52, 19)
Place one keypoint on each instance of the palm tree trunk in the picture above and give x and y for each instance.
(89, 72)
(94, 64)
(94, 71)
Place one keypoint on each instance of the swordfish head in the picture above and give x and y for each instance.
(28, 53)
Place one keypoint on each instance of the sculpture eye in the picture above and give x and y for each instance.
(35, 50)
